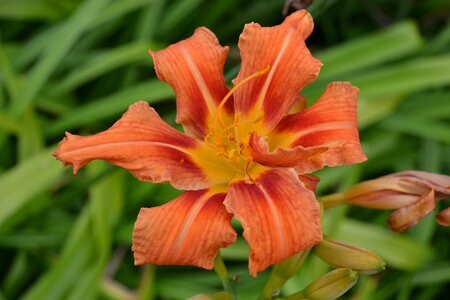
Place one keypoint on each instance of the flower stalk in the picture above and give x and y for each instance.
(222, 272)
(282, 272)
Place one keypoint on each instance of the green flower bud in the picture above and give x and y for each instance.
(342, 255)
(328, 287)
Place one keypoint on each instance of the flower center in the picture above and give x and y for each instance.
(229, 139)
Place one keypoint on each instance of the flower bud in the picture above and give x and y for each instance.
(328, 287)
(411, 193)
(342, 255)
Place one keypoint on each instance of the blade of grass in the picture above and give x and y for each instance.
(397, 250)
(429, 129)
(117, 9)
(103, 63)
(178, 12)
(87, 248)
(38, 173)
(8, 124)
(370, 111)
(152, 91)
(54, 53)
(30, 139)
(402, 38)
(30, 10)
(407, 77)
(55, 283)
(436, 107)
(36, 45)
(8, 74)
(16, 276)
(434, 273)
(149, 21)
(414, 75)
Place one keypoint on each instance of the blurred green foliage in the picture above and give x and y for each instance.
(77, 65)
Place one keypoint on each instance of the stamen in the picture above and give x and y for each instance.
(228, 95)
(247, 164)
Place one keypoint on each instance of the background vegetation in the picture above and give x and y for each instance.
(77, 65)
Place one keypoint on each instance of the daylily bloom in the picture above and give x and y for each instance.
(246, 151)
(412, 194)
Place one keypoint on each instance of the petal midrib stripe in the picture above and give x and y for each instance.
(201, 83)
(268, 80)
(121, 144)
(276, 217)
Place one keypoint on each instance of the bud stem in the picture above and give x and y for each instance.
(332, 200)
(282, 272)
(222, 272)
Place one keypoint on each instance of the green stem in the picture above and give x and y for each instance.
(282, 272)
(222, 272)
(332, 200)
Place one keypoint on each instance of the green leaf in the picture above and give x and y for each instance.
(402, 38)
(178, 12)
(37, 174)
(152, 91)
(430, 129)
(103, 63)
(55, 52)
(30, 10)
(427, 105)
(433, 273)
(407, 77)
(36, 45)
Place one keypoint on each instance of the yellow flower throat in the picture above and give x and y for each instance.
(227, 156)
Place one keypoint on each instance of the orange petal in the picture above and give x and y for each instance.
(291, 64)
(299, 105)
(279, 215)
(188, 230)
(443, 218)
(409, 215)
(329, 124)
(283, 157)
(310, 181)
(142, 143)
(194, 69)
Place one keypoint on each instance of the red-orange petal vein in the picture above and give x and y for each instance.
(279, 214)
(142, 143)
(188, 230)
(194, 69)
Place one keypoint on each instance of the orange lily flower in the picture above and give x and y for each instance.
(246, 152)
